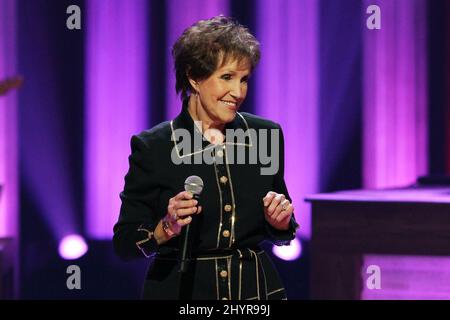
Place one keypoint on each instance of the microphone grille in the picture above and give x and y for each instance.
(193, 184)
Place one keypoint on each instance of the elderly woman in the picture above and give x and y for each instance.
(239, 207)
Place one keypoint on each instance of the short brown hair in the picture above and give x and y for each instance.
(198, 50)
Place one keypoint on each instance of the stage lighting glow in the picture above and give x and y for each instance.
(72, 247)
(289, 253)
(112, 49)
(289, 34)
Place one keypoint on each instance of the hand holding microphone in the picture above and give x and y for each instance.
(180, 218)
(179, 212)
(193, 185)
(183, 207)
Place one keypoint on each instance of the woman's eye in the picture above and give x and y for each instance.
(226, 77)
(245, 79)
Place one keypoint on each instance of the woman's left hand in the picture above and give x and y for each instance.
(277, 210)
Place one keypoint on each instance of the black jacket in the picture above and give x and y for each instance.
(231, 224)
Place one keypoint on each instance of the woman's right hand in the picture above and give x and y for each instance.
(179, 211)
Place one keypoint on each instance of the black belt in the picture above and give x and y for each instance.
(243, 254)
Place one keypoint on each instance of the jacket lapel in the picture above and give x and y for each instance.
(183, 125)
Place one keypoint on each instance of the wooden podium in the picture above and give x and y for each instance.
(350, 224)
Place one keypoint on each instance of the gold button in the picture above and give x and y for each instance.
(224, 298)
(223, 274)
(227, 208)
(220, 153)
(226, 233)
(223, 179)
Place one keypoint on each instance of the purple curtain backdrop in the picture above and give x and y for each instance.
(8, 123)
(395, 136)
(116, 103)
(9, 168)
(286, 90)
(395, 91)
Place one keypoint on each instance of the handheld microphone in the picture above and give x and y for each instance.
(194, 185)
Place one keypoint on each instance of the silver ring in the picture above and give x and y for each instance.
(284, 206)
(174, 216)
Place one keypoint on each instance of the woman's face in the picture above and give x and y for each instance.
(223, 92)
